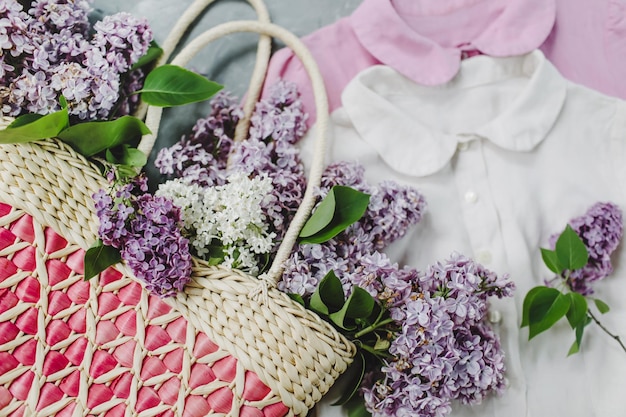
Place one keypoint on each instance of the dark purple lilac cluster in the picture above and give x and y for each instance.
(209, 155)
(445, 350)
(49, 50)
(202, 156)
(355, 255)
(601, 229)
(146, 229)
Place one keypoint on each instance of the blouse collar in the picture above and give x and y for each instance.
(411, 147)
(491, 27)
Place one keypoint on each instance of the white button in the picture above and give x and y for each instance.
(495, 316)
(484, 257)
(471, 197)
(463, 146)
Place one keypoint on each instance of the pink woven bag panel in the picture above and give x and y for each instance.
(142, 359)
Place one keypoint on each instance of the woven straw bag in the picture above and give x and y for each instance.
(230, 344)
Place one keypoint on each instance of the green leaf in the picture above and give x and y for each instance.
(547, 307)
(359, 305)
(297, 298)
(575, 348)
(528, 300)
(25, 119)
(171, 85)
(152, 54)
(358, 368)
(99, 257)
(602, 307)
(214, 261)
(90, 138)
(577, 312)
(31, 127)
(339, 209)
(125, 172)
(381, 344)
(551, 260)
(570, 250)
(356, 407)
(126, 155)
(321, 217)
(328, 296)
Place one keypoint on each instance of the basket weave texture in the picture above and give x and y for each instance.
(107, 347)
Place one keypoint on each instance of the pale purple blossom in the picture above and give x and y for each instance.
(52, 50)
(62, 14)
(356, 254)
(202, 156)
(123, 39)
(601, 229)
(147, 231)
(445, 351)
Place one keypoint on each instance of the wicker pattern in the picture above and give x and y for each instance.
(70, 347)
(65, 348)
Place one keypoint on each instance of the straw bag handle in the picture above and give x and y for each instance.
(153, 119)
(264, 51)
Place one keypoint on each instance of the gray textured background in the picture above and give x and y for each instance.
(228, 61)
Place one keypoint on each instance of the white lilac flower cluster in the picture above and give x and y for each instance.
(208, 157)
(229, 216)
(51, 50)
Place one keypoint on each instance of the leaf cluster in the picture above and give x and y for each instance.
(544, 306)
(359, 317)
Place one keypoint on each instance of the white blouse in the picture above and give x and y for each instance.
(505, 154)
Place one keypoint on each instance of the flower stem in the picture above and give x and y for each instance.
(373, 327)
(614, 336)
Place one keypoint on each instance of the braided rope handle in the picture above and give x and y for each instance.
(264, 51)
(153, 119)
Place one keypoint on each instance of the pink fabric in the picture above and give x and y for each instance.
(588, 44)
(425, 41)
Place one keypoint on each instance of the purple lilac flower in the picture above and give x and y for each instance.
(208, 155)
(123, 39)
(146, 229)
(280, 117)
(62, 14)
(355, 255)
(601, 229)
(277, 124)
(31, 91)
(50, 51)
(129, 101)
(202, 156)
(445, 351)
